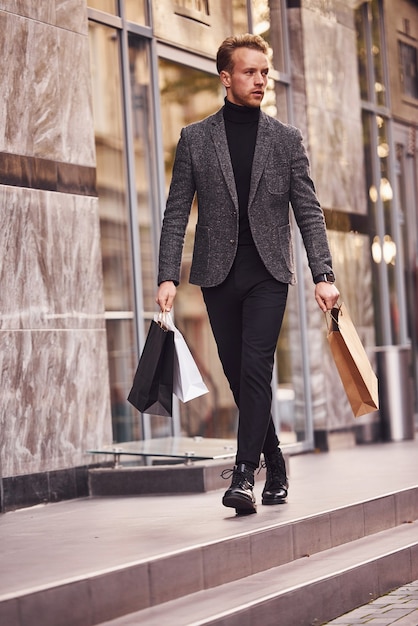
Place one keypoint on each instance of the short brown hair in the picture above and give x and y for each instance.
(227, 47)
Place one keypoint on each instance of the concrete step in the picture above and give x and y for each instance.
(245, 551)
(306, 592)
(82, 562)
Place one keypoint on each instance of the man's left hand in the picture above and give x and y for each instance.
(326, 295)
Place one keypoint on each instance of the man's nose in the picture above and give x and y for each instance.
(259, 79)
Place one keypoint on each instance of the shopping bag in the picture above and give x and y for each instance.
(187, 381)
(356, 373)
(152, 388)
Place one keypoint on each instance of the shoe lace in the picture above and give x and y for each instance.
(237, 476)
(227, 473)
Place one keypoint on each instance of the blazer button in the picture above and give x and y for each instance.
(232, 241)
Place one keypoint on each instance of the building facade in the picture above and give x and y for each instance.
(95, 94)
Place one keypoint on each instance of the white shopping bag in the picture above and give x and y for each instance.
(188, 382)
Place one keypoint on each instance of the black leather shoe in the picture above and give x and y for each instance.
(240, 494)
(275, 489)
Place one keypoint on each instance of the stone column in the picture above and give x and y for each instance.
(54, 400)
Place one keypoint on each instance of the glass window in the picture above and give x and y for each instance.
(385, 233)
(362, 56)
(114, 225)
(189, 95)
(408, 61)
(239, 17)
(136, 11)
(377, 53)
(108, 6)
(143, 145)
(370, 52)
(267, 22)
(290, 390)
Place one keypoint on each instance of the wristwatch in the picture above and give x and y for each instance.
(325, 278)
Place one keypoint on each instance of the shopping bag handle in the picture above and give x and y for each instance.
(162, 319)
(329, 316)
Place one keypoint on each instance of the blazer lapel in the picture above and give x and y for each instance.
(262, 149)
(222, 150)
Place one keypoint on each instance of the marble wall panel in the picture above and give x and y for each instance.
(333, 105)
(50, 272)
(68, 14)
(41, 10)
(76, 105)
(72, 15)
(46, 108)
(55, 399)
(29, 84)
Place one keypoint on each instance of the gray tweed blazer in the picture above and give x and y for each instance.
(280, 175)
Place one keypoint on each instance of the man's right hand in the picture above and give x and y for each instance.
(165, 295)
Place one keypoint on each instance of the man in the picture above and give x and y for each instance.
(245, 168)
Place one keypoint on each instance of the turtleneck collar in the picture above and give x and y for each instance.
(240, 114)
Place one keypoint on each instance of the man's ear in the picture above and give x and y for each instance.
(225, 78)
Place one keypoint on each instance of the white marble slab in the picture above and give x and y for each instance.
(55, 398)
(50, 272)
(46, 104)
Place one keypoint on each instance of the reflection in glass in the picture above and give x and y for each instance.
(386, 197)
(362, 58)
(108, 6)
(189, 95)
(408, 65)
(145, 184)
(370, 55)
(279, 108)
(135, 11)
(141, 93)
(267, 21)
(290, 393)
(239, 17)
(377, 53)
(407, 243)
(114, 225)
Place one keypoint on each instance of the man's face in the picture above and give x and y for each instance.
(246, 83)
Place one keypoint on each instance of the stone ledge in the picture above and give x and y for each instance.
(198, 477)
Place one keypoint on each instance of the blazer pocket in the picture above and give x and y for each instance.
(278, 179)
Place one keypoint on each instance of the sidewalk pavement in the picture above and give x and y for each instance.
(399, 608)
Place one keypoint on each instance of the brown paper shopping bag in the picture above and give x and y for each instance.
(356, 373)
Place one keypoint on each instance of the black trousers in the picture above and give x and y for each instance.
(246, 313)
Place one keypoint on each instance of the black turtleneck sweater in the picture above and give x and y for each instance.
(241, 125)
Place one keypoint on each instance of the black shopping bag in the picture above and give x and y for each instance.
(152, 388)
